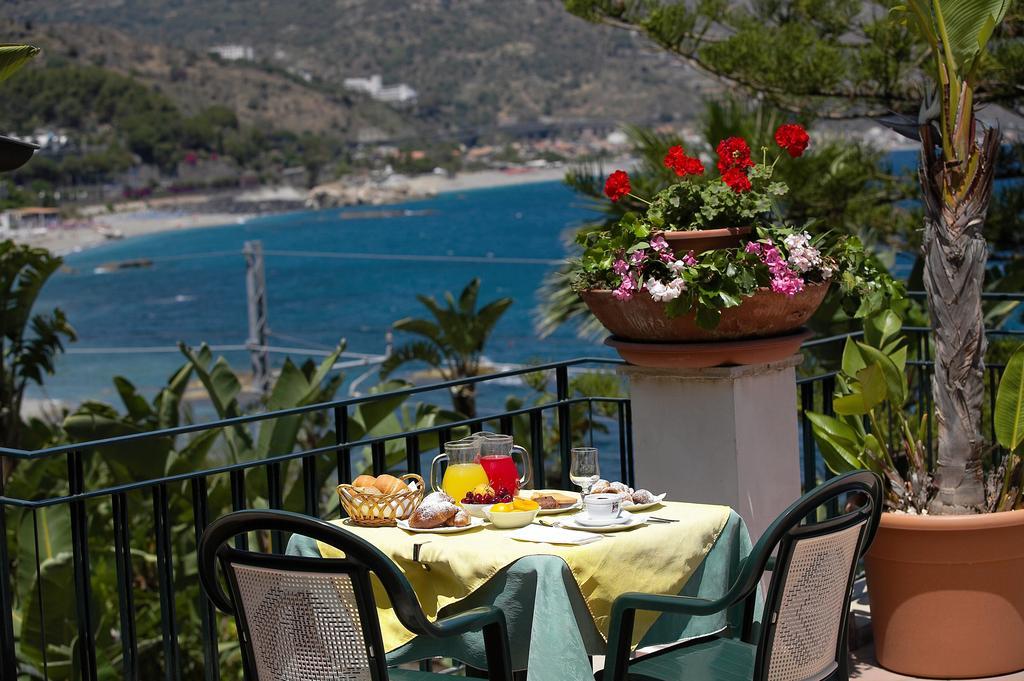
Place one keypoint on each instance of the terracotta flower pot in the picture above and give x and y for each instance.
(761, 315)
(700, 240)
(947, 594)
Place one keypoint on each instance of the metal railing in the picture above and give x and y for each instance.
(131, 603)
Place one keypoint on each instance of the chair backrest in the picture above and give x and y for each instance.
(803, 631)
(303, 619)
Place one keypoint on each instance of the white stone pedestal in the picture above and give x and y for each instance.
(724, 435)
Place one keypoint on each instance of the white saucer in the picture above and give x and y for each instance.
(632, 521)
(584, 519)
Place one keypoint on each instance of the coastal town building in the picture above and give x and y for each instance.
(28, 219)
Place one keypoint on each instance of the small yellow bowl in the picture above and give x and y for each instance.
(511, 520)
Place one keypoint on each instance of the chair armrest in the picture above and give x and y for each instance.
(620, 636)
(683, 605)
(770, 565)
(471, 620)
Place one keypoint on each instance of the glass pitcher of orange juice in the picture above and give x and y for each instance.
(464, 471)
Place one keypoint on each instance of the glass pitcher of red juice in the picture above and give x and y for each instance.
(496, 457)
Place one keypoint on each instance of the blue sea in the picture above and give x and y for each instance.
(195, 290)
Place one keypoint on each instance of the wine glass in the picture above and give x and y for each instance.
(583, 469)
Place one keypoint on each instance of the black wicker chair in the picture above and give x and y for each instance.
(314, 619)
(803, 633)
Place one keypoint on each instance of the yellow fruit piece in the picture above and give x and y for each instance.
(521, 504)
(483, 489)
(503, 508)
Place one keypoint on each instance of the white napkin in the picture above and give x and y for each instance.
(542, 534)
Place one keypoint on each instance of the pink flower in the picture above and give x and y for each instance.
(689, 260)
(790, 284)
(667, 256)
(638, 256)
(658, 243)
(620, 267)
(784, 279)
(626, 288)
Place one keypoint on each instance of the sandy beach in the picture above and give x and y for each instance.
(135, 218)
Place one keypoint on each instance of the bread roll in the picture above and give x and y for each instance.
(389, 484)
(643, 496)
(364, 481)
(368, 490)
(460, 519)
(433, 515)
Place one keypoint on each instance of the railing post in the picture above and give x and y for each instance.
(807, 434)
(82, 573)
(165, 574)
(207, 615)
(342, 455)
(8, 661)
(125, 580)
(564, 421)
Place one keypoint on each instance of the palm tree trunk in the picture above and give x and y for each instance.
(464, 400)
(955, 254)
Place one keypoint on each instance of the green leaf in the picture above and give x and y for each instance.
(839, 444)
(880, 328)
(1009, 411)
(833, 428)
(13, 57)
(969, 25)
(136, 405)
(895, 379)
(870, 391)
(853, 361)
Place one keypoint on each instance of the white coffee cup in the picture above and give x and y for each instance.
(602, 506)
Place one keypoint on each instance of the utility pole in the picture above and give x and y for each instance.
(256, 292)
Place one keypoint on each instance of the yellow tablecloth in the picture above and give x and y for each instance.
(655, 558)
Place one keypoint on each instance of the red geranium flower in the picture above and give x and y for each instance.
(793, 138)
(692, 166)
(674, 157)
(617, 185)
(737, 179)
(683, 165)
(733, 152)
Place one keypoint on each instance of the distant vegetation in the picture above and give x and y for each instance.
(473, 62)
(114, 121)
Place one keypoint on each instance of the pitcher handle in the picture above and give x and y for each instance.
(434, 467)
(527, 465)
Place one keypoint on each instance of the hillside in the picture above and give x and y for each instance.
(474, 62)
(194, 81)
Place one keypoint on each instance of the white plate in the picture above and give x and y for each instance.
(634, 521)
(585, 519)
(473, 522)
(643, 507)
(527, 493)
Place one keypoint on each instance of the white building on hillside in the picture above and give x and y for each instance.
(233, 52)
(375, 87)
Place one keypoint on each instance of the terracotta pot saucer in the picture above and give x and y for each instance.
(714, 354)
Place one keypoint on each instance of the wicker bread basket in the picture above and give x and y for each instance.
(381, 510)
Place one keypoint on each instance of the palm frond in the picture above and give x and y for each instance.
(416, 351)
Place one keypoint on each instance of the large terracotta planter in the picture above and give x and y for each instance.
(947, 594)
(700, 240)
(761, 315)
